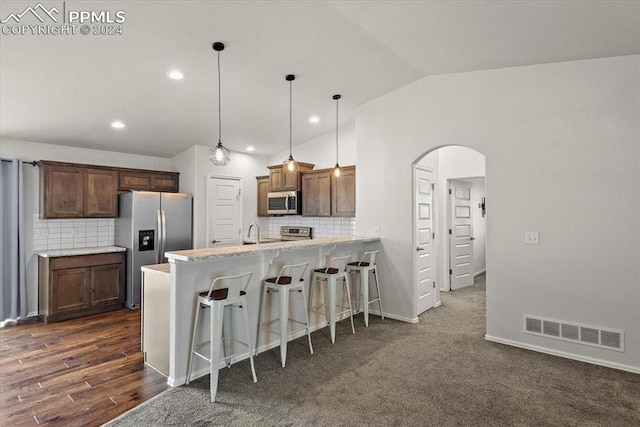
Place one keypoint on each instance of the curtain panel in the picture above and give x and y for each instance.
(13, 292)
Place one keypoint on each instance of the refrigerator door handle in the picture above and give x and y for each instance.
(164, 235)
(160, 237)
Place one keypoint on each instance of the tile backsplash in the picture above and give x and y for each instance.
(72, 233)
(322, 226)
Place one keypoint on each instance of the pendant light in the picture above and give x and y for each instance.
(290, 164)
(219, 154)
(336, 170)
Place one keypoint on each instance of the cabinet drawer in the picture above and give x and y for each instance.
(80, 261)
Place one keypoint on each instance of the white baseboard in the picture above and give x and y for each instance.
(479, 272)
(395, 317)
(573, 356)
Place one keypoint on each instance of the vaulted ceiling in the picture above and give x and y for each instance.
(67, 89)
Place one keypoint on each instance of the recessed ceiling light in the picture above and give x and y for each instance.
(251, 149)
(117, 124)
(176, 75)
(314, 119)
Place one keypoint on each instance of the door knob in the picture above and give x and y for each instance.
(473, 238)
(419, 249)
(214, 241)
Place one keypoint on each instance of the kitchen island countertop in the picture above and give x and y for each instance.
(232, 251)
(80, 251)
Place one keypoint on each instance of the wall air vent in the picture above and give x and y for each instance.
(611, 339)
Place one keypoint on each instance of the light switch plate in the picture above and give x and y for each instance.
(531, 238)
(375, 230)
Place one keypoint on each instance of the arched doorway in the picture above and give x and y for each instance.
(448, 222)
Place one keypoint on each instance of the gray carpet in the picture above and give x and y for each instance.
(438, 372)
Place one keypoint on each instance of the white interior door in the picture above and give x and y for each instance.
(461, 235)
(424, 261)
(224, 211)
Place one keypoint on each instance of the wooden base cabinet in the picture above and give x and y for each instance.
(75, 286)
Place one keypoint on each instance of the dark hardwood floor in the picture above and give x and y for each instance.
(78, 372)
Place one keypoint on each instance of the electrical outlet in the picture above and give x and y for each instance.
(531, 238)
(375, 230)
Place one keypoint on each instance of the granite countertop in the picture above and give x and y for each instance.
(80, 251)
(163, 268)
(230, 251)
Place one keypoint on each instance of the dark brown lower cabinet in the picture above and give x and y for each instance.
(75, 286)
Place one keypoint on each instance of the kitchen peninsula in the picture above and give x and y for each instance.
(192, 271)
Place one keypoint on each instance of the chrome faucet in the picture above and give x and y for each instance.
(253, 224)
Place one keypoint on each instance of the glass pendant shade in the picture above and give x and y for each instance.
(336, 171)
(219, 155)
(290, 164)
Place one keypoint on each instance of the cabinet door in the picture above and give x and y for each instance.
(107, 285)
(263, 190)
(62, 191)
(290, 179)
(309, 194)
(134, 181)
(276, 178)
(316, 196)
(69, 290)
(100, 193)
(343, 193)
(164, 182)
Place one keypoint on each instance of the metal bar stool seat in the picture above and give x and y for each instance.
(288, 280)
(366, 266)
(330, 275)
(221, 300)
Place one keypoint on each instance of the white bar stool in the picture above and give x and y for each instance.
(225, 293)
(288, 280)
(364, 267)
(330, 274)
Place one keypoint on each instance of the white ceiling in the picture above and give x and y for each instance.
(68, 89)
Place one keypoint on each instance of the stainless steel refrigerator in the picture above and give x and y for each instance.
(149, 225)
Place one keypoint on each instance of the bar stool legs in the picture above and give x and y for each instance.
(331, 274)
(288, 280)
(220, 300)
(364, 267)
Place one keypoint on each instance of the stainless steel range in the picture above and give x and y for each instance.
(288, 233)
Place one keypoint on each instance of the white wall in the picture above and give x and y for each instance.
(29, 151)
(194, 165)
(562, 158)
(321, 151)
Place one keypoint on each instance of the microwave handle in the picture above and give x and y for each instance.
(292, 195)
(286, 203)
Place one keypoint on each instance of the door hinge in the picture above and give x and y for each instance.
(449, 231)
(450, 191)
(434, 285)
(433, 235)
(450, 271)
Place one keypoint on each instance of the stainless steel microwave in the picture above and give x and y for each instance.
(284, 203)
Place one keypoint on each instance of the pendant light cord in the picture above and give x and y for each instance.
(219, 104)
(290, 119)
(336, 131)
